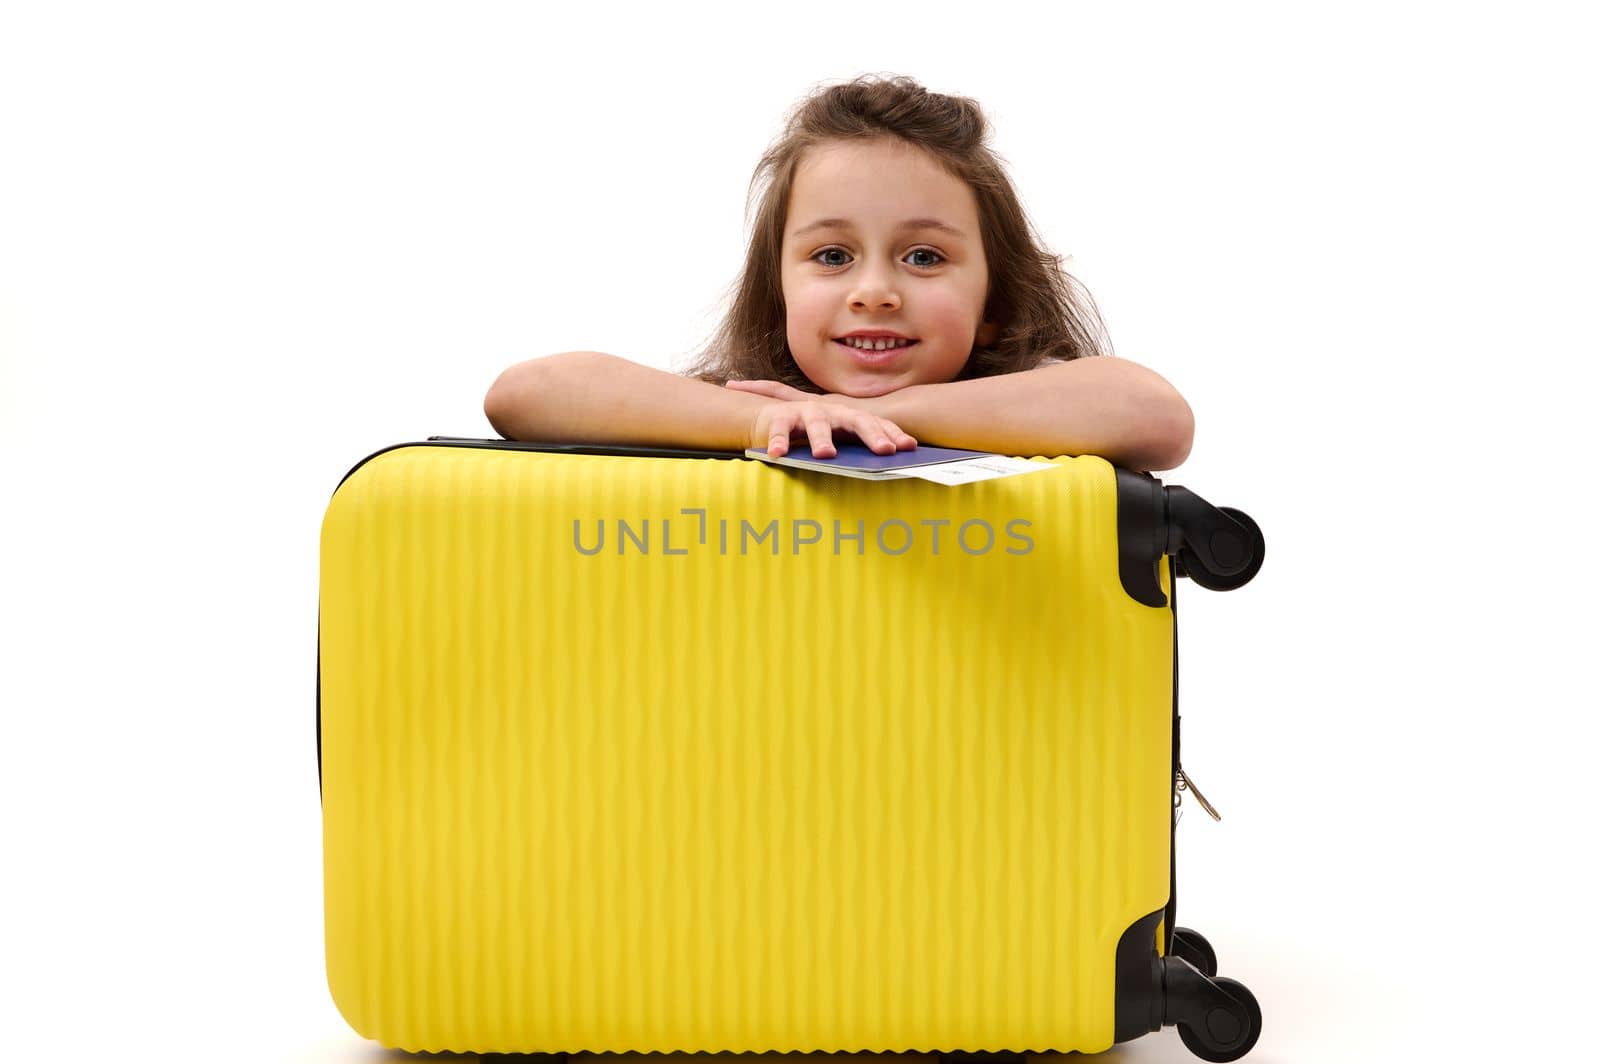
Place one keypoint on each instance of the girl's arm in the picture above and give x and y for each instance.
(1095, 405)
(590, 397)
(1100, 405)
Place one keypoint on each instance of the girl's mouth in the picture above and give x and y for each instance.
(865, 357)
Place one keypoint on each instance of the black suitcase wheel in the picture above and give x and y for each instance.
(1192, 946)
(1227, 1034)
(1257, 545)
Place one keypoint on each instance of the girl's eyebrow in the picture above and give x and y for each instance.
(913, 223)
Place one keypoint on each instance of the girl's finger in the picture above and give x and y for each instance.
(820, 433)
(893, 433)
(778, 434)
(871, 432)
(903, 440)
(893, 439)
(779, 390)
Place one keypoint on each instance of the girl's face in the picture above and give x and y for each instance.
(880, 239)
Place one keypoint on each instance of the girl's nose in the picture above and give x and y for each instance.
(874, 294)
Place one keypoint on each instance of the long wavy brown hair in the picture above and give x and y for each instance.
(1041, 310)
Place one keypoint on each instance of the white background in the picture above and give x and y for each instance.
(244, 246)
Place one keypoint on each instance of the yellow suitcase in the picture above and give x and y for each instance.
(629, 749)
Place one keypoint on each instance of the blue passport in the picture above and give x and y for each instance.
(857, 460)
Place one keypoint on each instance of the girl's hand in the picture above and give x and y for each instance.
(775, 389)
(816, 419)
(778, 390)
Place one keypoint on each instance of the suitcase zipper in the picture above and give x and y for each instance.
(1184, 783)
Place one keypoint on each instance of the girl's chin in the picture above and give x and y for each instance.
(861, 383)
(859, 389)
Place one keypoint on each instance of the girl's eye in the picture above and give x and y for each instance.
(913, 251)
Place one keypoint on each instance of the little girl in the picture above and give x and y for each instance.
(893, 290)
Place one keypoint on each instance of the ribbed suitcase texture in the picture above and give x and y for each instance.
(605, 769)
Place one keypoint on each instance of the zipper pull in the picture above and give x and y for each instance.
(1184, 783)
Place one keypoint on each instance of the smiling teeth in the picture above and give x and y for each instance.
(876, 345)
